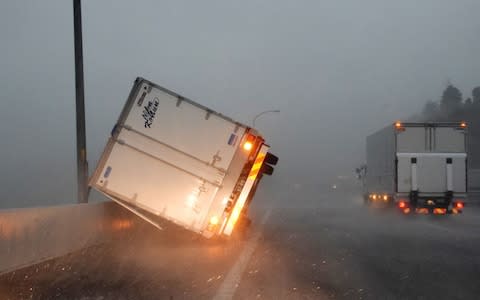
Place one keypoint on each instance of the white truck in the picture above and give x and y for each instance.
(421, 167)
(170, 158)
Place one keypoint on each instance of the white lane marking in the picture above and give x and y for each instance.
(229, 285)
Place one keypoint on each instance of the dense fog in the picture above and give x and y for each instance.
(337, 71)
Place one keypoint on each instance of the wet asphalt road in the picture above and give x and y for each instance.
(334, 248)
(313, 244)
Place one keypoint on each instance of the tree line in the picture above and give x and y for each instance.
(452, 107)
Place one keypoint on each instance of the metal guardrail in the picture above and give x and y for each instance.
(32, 235)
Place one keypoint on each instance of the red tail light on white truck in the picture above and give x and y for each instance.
(173, 159)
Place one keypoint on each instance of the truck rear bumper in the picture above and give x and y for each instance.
(440, 203)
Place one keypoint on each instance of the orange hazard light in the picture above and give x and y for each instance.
(214, 220)
(249, 142)
(248, 146)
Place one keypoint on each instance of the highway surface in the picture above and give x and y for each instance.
(305, 243)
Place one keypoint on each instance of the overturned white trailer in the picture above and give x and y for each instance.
(172, 158)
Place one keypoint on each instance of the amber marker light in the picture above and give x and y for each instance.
(248, 146)
(214, 220)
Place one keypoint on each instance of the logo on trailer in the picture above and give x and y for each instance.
(149, 112)
(233, 139)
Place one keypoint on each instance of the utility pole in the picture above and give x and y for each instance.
(82, 166)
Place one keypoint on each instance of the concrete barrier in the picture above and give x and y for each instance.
(33, 235)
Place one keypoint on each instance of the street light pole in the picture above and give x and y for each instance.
(82, 167)
(262, 113)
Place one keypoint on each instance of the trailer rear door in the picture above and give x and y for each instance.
(431, 172)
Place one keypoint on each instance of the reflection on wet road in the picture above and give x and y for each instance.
(313, 245)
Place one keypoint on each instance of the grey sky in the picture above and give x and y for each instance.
(337, 70)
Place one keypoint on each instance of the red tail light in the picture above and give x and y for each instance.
(402, 204)
(459, 205)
